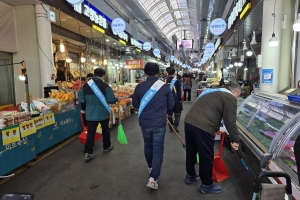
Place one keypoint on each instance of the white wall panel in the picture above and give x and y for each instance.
(27, 50)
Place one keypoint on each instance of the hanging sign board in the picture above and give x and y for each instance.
(267, 76)
(134, 64)
(75, 1)
(217, 26)
(147, 46)
(51, 16)
(209, 47)
(156, 52)
(118, 25)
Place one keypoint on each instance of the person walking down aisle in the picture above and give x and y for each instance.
(94, 98)
(153, 98)
(175, 87)
(201, 122)
(187, 86)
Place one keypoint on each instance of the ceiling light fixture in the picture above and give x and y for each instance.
(68, 59)
(245, 45)
(82, 59)
(234, 51)
(273, 42)
(231, 66)
(253, 41)
(249, 53)
(296, 25)
(61, 45)
(93, 59)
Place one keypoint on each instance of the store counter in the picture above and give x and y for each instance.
(49, 130)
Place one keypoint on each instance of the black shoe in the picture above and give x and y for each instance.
(210, 189)
(191, 179)
(88, 156)
(108, 149)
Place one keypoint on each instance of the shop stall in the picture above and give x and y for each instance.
(51, 120)
(269, 125)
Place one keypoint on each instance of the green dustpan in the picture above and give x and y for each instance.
(121, 135)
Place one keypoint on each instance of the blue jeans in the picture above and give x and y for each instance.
(154, 139)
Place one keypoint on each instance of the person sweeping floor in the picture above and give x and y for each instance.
(153, 98)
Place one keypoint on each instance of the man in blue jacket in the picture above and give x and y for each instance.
(175, 87)
(96, 112)
(153, 98)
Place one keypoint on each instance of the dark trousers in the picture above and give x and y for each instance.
(297, 155)
(202, 142)
(189, 94)
(90, 139)
(177, 112)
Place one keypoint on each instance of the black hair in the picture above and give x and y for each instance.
(151, 68)
(99, 72)
(170, 70)
(89, 75)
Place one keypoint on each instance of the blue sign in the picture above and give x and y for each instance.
(172, 58)
(209, 47)
(75, 1)
(267, 76)
(217, 26)
(156, 52)
(118, 25)
(147, 46)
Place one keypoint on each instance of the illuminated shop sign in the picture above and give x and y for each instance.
(136, 43)
(235, 12)
(94, 17)
(122, 35)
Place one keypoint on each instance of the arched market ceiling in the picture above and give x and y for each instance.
(173, 17)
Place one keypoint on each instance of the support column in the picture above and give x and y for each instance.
(45, 46)
(132, 76)
(286, 44)
(271, 55)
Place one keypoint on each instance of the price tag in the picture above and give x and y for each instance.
(39, 122)
(27, 128)
(49, 119)
(11, 134)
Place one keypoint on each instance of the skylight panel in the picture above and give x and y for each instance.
(168, 17)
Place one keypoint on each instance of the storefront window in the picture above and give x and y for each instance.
(6, 77)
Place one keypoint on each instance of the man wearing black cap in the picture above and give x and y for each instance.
(175, 87)
(153, 98)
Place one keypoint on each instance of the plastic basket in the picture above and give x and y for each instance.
(294, 98)
(82, 137)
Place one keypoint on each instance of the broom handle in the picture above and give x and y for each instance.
(175, 132)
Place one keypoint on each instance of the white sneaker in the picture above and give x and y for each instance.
(152, 184)
(149, 170)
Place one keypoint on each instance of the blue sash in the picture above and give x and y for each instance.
(98, 93)
(149, 95)
(173, 83)
(208, 90)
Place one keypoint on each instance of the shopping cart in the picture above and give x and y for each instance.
(83, 134)
(272, 191)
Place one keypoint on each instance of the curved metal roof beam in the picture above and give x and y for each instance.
(176, 28)
(180, 19)
(171, 11)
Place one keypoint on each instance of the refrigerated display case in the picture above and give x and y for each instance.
(269, 124)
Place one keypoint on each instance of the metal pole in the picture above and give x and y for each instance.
(293, 71)
(27, 92)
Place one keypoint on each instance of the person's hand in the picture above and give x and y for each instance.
(82, 111)
(235, 146)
